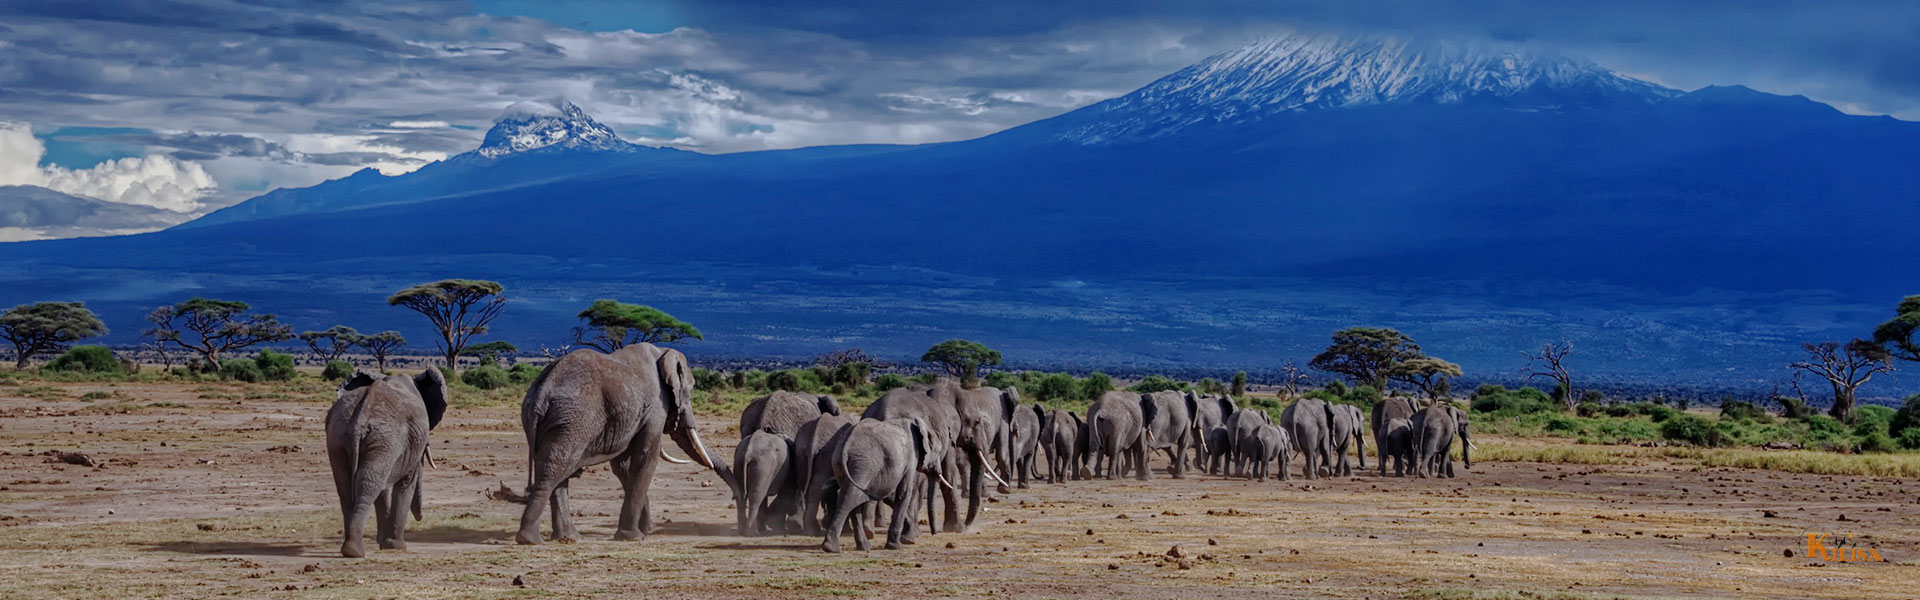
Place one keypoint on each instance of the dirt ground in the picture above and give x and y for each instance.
(222, 491)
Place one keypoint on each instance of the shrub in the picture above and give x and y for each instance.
(1489, 389)
(1908, 438)
(1736, 410)
(524, 373)
(1562, 424)
(1823, 426)
(87, 359)
(1336, 388)
(1874, 442)
(1056, 387)
(486, 377)
(705, 379)
(242, 370)
(1908, 417)
(890, 381)
(1872, 419)
(1095, 384)
(1156, 383)
(1363, 396)
(1692, 429)
(1660, 413)
(1002, 380)
(275, 366)
(1589, 409)
(1524, 401)
(738, 380)
(790, 380)
(336, 370)
(1622, 410)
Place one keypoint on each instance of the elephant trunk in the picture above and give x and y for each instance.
(688, 438)
(1466, 448)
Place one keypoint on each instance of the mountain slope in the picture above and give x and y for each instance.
(1231, 214)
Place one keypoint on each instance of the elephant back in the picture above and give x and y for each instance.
(783, 412)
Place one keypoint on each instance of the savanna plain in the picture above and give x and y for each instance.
(220, 489)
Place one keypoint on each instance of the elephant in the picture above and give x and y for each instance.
(1209, 434)
(1397, 442)
(1434, 429)
(879, 461)
(784, 412)
(1306, 422)
(1117, 429)
(763, 464)
(1240, 424)
(1385, 411)
(1023, 443)
(1060, 436)
(813, 467)
(1264, 445)
(1170, 429)
(589, 407)
(1344, 426)
(376, 441)
(937, 409)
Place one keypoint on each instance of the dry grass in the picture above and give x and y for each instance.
(1789, 461)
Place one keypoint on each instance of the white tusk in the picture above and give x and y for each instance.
(671, 459)
(428, 452)
(988, 466)
(706, 460)
(1472, 445)
(943, 480)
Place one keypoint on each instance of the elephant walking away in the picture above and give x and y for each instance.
(588, 408)
(1023, 443)
(1170, 429)
(1345, 425)
(813, 468)
(1117, 430)
(1434, 429)
(763, 464)
(376, 441)
(1060, 437)
(1209, 436)
(1386, 411)
(1397, 442)
(879, 461)
(1240, 425)
(1264, 445)
(1306, 421)
(784, 412)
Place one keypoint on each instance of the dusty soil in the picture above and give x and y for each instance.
(211, 490)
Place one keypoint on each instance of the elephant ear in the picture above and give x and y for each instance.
(919, 436)
(1227, 407)
(433, 390)
(1193, 406)
(1040, 412)
(1009, 402)
(676, 386)
(1148, 409)
(359, 380)
(1076, 419)
(828, 405)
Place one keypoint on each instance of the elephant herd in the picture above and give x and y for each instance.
(803, 466)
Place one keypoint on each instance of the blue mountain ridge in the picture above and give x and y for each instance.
(1233, 214)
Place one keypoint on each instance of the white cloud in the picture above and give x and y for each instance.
(419, 125)
(155, 180)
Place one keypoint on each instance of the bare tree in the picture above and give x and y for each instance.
(1846, 367)
(1550, 362)
(1291, 378)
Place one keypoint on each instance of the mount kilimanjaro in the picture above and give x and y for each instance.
(1480, 197)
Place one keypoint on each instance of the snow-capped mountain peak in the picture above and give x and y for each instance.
(531, 125)
(1308, 71)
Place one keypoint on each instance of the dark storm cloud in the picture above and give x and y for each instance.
(53, 214)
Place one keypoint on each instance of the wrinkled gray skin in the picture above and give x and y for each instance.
(935, 410)
(1117, 430)
(986, 422)
(1023, 443)
(763, 464)
(1397, 442)
(1060, 437)
(879, 461)
(784, 412)
(588, 408)
(1171, 429)
(1306, 421)
(813, 467)
(1209, 434)
(1264, 445)
(1434, 429)
(1389, 409)
(376, 441)
(1240, 424)
(1345, 425)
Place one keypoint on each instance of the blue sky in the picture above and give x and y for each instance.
(195, 104)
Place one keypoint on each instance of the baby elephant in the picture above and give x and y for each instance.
(879, 461)
(1265, 444)
(1060, 438)
(764, 466)
(376, 442)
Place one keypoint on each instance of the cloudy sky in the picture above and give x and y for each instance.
(177, 107)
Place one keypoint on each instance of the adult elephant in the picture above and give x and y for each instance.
(1023, 444)
(1397, 443)
(1434, 429)
(961, 424)
(1117, 429)
(376, 439)
(1237, 425)
(1307, 422)
(1170, 429)
(1210, 440)
(1345, 426)
(1385, 411)
(588, 408)
(813, 474)
(784, 412)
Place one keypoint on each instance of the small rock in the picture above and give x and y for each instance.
(949, 545)
(1787, 553)
(1089, 532)
(1211, 542)
(1174, 552)
(1843, 517)
(518, 582)
(310, 568)
(1113, 567)
(204, 526)
(1769, 514)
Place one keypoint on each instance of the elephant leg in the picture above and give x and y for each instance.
(1142, 456)
(370, 486)
(951, 512)
(976, 487)
(554, 461)
(399, 498)
(1179, 460)
(848, 501)
(898, 524)
(563, 530)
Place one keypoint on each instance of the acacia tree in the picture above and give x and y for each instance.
(458, 308)
(962, 359)
(1239, 386)
(1430, 375)
(47, 328)
(1897, 333)
(611, 325)
(1846, 367)
(1365, 353)
(1550, 362)
(489, 353)
(329, 345)
(381, 345)
(216, 327)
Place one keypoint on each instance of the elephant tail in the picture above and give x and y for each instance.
(841, 473)
(418, 484)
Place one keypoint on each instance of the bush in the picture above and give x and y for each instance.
(1871, 419)
(337, 370)
(890, 381)
(1874, 442)
(242, 370)
(486, 377)
(1660, 413)
(1823, 426)
(1622, 410)
(87, 359)
(1908, 417)
(1694, 430)
(705, 379)
(1736, 410)
(1363, 396)
(795, 380)
(1524, 401)
(1489, 389)
(524, 373)
(1336, 388)
(1002, 380)
(275, 366)
(1908, 438)
(1562, 424)
(1056, 387)
(1094, 385)
(1589, 409)
(1156, 383)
